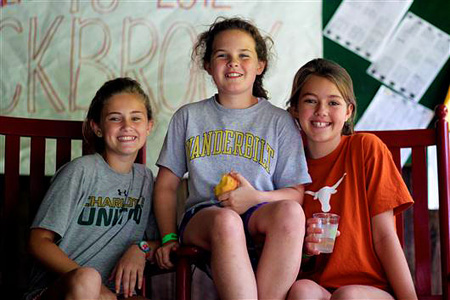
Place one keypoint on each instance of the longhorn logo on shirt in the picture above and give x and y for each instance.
(324, 194)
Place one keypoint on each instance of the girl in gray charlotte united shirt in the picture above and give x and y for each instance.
(98, 209)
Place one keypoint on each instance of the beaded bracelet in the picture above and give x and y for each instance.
(169, 237)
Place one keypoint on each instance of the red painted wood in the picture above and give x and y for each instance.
(37, 174)
(186, 256)
(12, 158)
(63, 151)
(419, 140)
(421, 220)
(443, 154)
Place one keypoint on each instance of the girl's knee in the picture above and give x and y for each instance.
(305, 289)
(303, 285)
(348, 292)
(84, 279)
(227, 224)
(360, 292)
(289, 214)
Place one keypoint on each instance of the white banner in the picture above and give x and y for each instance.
(56, 54)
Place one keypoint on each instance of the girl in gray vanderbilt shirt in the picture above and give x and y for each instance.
(237, 130)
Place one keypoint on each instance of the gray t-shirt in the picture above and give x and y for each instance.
(207, 140)
(96, 213)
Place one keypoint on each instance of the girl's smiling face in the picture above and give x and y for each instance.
(124, 125)
(321, 111)
(234, 63)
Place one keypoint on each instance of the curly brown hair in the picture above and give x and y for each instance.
(203, 48)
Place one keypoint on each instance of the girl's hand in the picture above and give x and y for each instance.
(163, 254)
(242, 198)
(151, 256)
(106, 294)
(310, 238)
(129, 270)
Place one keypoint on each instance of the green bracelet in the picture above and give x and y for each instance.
(305, 256)
(169, 237)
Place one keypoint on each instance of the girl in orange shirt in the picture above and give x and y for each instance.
(354, 176)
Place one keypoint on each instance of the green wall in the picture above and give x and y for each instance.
(435, 12)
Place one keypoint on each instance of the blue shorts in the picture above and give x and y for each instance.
(36, 295)
(251, 248)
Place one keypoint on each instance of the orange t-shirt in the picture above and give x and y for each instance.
(357, 181)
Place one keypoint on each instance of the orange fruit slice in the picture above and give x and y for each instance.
(227, 183)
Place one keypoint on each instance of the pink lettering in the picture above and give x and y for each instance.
(136, 67)
(77, 59)
(17, 27)
(187, 5)
(189, 94)
(10, 2)
(35, 69)
(217, 6)
(276, 27)
(160, 4)
(74, 6)
(101, 8)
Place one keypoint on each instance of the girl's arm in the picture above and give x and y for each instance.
(291, 193)
(165, 204)
(245, 196)
(389, 251)
(43, 248)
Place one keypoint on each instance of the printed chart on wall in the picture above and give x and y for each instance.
(412, 58)
(362, 26)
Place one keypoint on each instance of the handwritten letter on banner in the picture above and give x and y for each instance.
(56, 54)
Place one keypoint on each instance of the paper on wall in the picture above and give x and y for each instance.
(364, 26)
(412, 58)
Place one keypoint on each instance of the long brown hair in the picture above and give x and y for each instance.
(121, 85)
(333, 72)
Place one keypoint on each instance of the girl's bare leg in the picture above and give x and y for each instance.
(220, 231)
(361, 292)
(282, 224)
(82, 283)
(306, 289)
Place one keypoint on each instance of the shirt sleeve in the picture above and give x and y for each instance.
(173, 152)
(60, 202)
(291, 168)
(386, 188)
(151, 231)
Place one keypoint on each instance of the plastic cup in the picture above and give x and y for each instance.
(329, 224)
